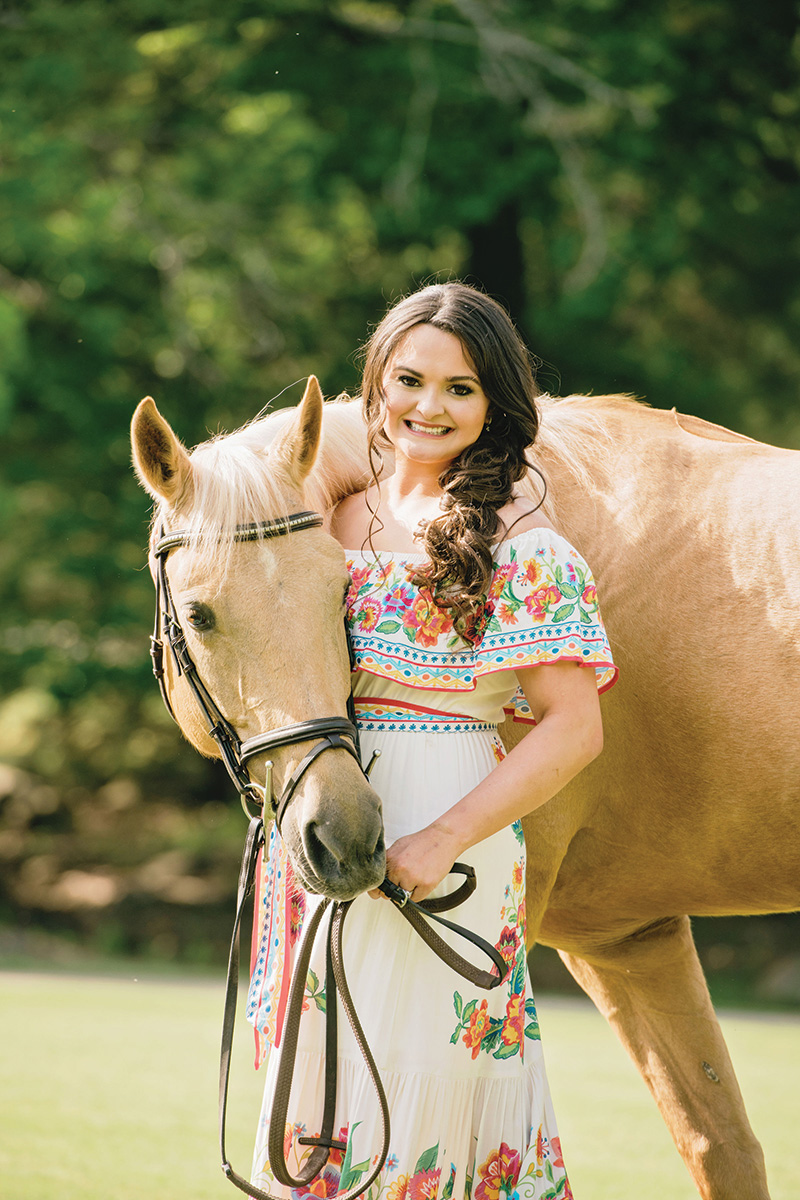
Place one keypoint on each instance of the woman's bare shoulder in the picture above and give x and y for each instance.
(350, 519)
(520, 515)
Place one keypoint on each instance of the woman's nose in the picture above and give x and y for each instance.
(429, 402)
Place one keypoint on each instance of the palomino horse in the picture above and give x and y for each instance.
(263, 623)
(693, 806)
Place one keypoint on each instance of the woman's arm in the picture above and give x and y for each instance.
(568, 734)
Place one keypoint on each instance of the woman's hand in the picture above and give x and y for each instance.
(419, 862)
(567, 736)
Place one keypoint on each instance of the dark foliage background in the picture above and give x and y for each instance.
(205, 202)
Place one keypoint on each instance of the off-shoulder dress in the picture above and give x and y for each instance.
(463, 1069)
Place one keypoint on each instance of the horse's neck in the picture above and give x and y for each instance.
(342, 465)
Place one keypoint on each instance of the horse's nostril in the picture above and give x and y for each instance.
(325, 862)
(332, 852)
(372, 843)
(323, 846)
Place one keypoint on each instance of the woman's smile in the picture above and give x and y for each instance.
(428, 430)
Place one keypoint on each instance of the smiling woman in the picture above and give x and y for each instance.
(451, 619)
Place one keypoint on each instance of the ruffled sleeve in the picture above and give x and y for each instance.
(542, 608)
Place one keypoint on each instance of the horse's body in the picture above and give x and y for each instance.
(693, 806)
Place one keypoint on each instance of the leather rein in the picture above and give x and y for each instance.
(329, 733)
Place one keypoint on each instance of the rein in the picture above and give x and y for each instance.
(332, 733)
(419, 917)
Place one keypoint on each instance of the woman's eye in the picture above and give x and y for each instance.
(408, 380)
(200, 617)
(461, 389)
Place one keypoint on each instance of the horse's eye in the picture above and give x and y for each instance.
(200, 617)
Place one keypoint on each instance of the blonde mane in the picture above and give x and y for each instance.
(573, 435)
(237, 478)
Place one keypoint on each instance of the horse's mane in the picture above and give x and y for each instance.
(236, 479)
(573, 435)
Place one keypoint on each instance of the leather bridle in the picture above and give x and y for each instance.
(333, 733)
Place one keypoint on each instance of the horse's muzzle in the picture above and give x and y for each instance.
(331, 864)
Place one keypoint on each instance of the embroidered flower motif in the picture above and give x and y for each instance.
(297, 912)
(555, 1152)
(358, 577)
(517, 876)
(514, 1024)
(498, 749)
(478, 1025)
(424, 1185)
(336, 1157)
(538, 603)
(368, 614)
(427, 621)
(507, 614)
(499, 1173)
(399, 1189)
(533, 572)
(502, 575)
(589, 597)
(325, 1186)
(476, 622)
(397, 599)
(508, 944)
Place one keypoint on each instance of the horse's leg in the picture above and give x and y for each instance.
(651, 989)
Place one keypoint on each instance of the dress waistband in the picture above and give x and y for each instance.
(382, 716)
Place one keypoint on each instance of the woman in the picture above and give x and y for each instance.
(463, 601)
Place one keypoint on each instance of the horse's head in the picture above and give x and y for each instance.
(263, 622)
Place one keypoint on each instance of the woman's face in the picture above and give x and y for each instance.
(435, 406)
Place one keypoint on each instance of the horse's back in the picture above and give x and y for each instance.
(694, 805)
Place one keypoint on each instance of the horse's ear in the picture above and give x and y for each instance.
(296, 447)
(160, 460)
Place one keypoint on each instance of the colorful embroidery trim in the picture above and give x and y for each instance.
(541, 607)
(383, 716)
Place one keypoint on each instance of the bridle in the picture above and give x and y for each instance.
(329, 733)
(333, 733)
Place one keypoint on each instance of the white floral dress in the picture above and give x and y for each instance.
(470, 1107)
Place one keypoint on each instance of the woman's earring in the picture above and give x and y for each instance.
(487, 422)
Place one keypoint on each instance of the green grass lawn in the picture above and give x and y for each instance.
(108, 1092)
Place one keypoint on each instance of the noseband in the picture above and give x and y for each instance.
(333, 733)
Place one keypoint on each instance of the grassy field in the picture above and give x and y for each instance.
(108, 1092)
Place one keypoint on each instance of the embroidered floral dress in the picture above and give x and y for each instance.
(463, 1070)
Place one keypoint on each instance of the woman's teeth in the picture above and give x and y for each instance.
(432, 430)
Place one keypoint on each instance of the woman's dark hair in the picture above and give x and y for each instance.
(481, 479)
